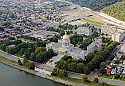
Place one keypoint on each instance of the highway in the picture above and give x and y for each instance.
(97, 15)
(106, 18)
(111, 20)
(8, 56)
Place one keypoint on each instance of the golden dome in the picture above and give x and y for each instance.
(66, 37)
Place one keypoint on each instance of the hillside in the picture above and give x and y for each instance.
(116, 10)
(95, 4)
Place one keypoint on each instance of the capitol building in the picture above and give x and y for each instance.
(64, 47)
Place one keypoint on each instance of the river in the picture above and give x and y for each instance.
(13, 77)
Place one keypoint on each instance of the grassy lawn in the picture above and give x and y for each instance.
(92, 21)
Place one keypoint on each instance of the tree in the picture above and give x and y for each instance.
(20, 63)
(85, 43)
(28, 64)
(89, 57)
(55, 38)
(40, 43)
(44, 56)
(85, 79)
(80, 67)
(59, 72)
(40, 50)
(11, 50)
(76, 39)
(28, 52)
(21, 51)
(96, 80)
(3, 47)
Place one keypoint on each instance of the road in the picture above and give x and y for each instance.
(99, 16)
(57, 58)
(113, 82)
(8, 56)
(111, 20)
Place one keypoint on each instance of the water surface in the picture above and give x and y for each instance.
(13, 77)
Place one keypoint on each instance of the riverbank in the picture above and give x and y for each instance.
(7, 59)
(55, 79)
(66, 82)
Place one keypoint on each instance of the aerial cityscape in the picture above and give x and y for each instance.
(62, 42)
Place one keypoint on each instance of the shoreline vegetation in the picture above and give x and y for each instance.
(65, 81)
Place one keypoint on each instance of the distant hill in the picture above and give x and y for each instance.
(117, 10)
(94, 4)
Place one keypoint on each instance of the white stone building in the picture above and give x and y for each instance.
(64, 47)
(96, 44)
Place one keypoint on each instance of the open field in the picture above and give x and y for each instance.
(93, 21)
